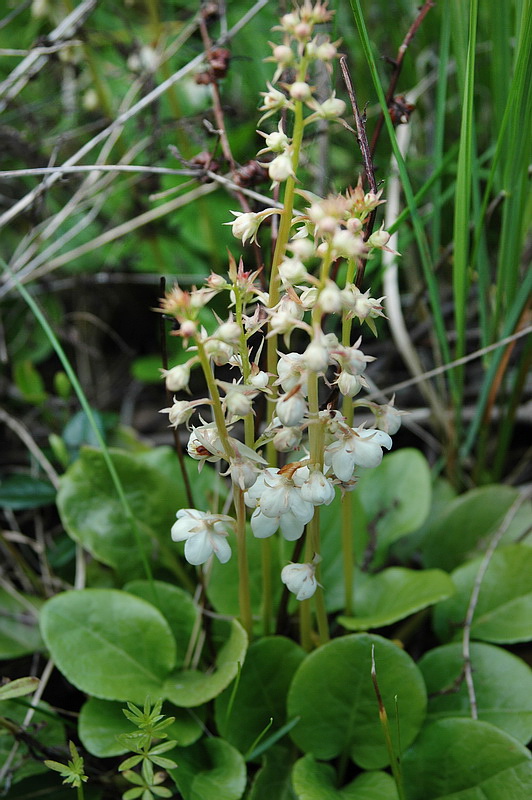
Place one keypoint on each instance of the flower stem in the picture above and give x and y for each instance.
(243, 570)
(347, 500)
(238, 495)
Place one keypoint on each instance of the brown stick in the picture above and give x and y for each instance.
(398, 64)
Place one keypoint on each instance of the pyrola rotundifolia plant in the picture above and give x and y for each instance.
(307, 449)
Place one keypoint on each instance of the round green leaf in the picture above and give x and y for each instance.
(189, 688)
(101, 721)
(261, 692)
(464, 759)
(209, 769)
(503, 687)
(109, 643)
(94, 516)
(176, 606)
(394, 594)
(504, 609)
(315, 781)
(334, 697)
(396, 499)
(390, 502)
(453, 536)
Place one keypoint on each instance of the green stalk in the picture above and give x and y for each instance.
(238, 495)
(347, 501)
(249, 438)
(280, 245)
(43, 322)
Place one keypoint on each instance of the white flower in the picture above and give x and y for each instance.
(203, 534)
(177, 378)
(388, 418)
(349, 385)
(281, 167)
(291, 408)
(356, 447)
(245, 226)
(291, 369)
(287, 439)
(330, 298)
(317, 489)
(220, 352)
(292, 271)
(316, 356)
(300, 579)
(347, 245)
(204, 444)
(179, 412)
(228, 332)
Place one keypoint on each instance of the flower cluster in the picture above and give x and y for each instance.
(327, 447)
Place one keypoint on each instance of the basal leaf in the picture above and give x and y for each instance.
(209, 769)
(189, 688)
(176, 606)
(394, 594)
(109, 643)
(503, 687)
(261, 693)
(24, 491)
(334, 697)
(467, 521)
(316, 781)
(503, 613)
(464, 759)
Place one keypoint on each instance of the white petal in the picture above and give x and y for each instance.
(263, 526)
(183, 528)
(274, 500)
(301, 509)
(291, 527)
(198, 548)
(221, 547)
(343, 464)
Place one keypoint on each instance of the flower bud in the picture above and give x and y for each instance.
(245, 226)
(287, 439)
(283, 54)
(228, 332)
(220, 352)
(302, 248)
(280, 168)
(379, 239)
(349, 385)
(330, 299)
(316, 356)
(177, 378)
(300, 91)
(300, 579)
(292, 271)
(317, 489)
(238, 403)
(291, 409)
